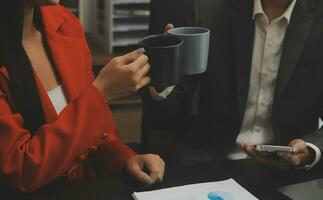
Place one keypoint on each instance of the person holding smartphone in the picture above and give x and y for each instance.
(53, 112)
(263, 84)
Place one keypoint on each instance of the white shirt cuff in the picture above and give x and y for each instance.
(317, 157)
(164, 94)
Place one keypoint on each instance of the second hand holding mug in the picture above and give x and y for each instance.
(163, 52)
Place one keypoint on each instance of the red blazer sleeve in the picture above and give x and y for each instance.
(112, 153)
(31, 162)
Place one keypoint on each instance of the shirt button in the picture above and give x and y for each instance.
(82, 157)
(93, 148)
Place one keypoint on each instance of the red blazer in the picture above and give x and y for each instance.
(85, 126)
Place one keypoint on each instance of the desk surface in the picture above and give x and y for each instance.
(260, 181)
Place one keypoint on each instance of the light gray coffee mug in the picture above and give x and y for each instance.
(195, 49)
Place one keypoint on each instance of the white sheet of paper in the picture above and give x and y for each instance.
(222, 190)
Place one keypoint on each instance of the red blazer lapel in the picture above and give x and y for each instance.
(69, 53)
(69, 60)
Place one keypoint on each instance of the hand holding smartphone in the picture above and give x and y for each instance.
(271, 150)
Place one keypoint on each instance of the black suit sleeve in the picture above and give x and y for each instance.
(178, 103)
(316, 137)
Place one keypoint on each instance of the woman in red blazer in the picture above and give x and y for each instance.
(42, 46)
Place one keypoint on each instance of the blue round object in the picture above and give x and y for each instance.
(220, 196)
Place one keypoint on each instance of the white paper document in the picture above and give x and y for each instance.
(222, 190)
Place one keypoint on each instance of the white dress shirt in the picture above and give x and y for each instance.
(267, 52)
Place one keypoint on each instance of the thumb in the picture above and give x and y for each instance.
(155, 176)
(299, 145)
(144, 178)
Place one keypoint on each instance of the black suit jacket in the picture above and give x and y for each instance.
(166, 11)
(223, 89)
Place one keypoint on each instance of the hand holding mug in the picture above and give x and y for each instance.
(123, 75)
(193, 57)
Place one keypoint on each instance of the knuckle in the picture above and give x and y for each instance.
(298, 141)
(134, 80)
(133, 69)
(115, 61)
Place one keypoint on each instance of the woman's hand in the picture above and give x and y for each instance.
(148, 169)
(123, 75)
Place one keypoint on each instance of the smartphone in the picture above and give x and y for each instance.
(274, 148)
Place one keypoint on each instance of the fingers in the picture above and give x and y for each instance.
(293, 160)
(141, 72)
(155, 176)
(156, 166)
(264, 160)
(130, 57)
(144, 71)
(136, 169)
(168, 27)
(143, 82)
(138, 70)
(298, 158)
(145, 178)
(139, 63)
